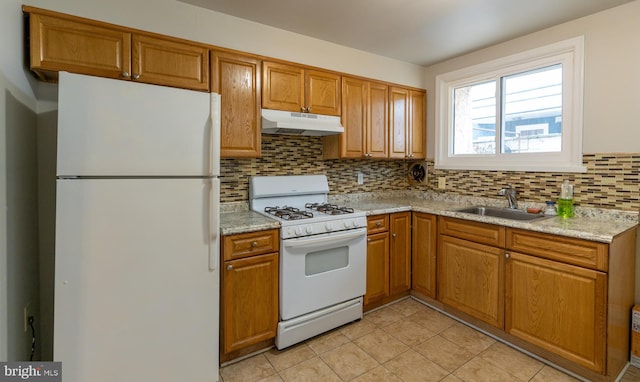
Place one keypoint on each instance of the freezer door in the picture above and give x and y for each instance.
(108, 127)
(135, 296)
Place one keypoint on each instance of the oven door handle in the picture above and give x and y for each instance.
(324, 239)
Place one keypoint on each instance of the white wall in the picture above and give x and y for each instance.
(178, 19)
(611, 80)
(18, 203)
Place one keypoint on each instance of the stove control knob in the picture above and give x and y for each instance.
(329, 227)
(354, 223)
(298, 231)
(347, 224)
(309, 230)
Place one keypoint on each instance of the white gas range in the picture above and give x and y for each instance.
(323, 255)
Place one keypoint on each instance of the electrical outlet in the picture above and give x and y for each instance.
(27, 313)
(360, 178)
(442, 182)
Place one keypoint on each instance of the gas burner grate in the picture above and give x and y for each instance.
(288, 213)
(329, 209)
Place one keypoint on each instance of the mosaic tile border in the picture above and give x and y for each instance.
(612, 180)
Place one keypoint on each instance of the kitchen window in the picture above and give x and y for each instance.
(520, 113)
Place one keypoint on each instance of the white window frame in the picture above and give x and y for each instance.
(569, 53)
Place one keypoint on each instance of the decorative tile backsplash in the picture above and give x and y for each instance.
(611, 180)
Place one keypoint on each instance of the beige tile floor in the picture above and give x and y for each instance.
(405, 341)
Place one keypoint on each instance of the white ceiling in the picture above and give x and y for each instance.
(422, 32)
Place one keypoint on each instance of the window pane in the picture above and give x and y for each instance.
(474, 119)
(532, 111)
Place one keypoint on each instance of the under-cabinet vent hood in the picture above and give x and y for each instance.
(293, 123)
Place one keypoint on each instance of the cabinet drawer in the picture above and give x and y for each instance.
(483, 233)
(250, 244)
(565, 249)
(377, 224)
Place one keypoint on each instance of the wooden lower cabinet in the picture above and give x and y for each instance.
(399, 252)
(377, 268)
(558, 307)
(249, 290)
(565, 299)
(471, 279)
(423, 253)
(388, 258)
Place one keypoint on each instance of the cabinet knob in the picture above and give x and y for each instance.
(378, 224)
(393, 235)
(254, 244)
(368, 239)
(507, 256)
(229, 267)
(136, 76)
(125, 74)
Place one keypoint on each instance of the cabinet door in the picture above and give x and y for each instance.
(471, 279)
(354, 117)
(377, 267)
(237, 79)
(418, 125)
(398, 121)
(423, 254)
(377, 137)
(322, 92)
(249, 301)
(169, 62)
(283, 87)
(558, 307)
(64, 45)
(400, 252)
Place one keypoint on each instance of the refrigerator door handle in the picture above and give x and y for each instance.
(214, 152)
(214, 224)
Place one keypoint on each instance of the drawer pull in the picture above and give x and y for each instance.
(254, 244)
(229, 267)
(378, 224)
(507, 256)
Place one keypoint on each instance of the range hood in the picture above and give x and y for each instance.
(293, 123)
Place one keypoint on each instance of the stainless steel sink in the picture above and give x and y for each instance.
(504, 213)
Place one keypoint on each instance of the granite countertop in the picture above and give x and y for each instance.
(245, 221)
(600, 225)
(595, 225)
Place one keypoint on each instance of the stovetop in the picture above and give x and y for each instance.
(300, 204)
(310, 211)
(315, 218)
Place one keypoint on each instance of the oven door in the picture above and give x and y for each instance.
(322, 270)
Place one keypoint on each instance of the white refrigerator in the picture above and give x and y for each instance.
(137, 232)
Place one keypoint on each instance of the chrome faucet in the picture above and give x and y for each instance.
(512, 196)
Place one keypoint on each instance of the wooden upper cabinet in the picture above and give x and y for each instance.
(164, 61)
(283, 87)
(418, 125)
(322, 92)
(352, 143)
(377, 138)
(237, 79)
(61, 42)
(408, 123)
(293, 88)
(58, 44)
(365, 120)
(398, 121)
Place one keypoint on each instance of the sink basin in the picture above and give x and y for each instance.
(504, 213)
